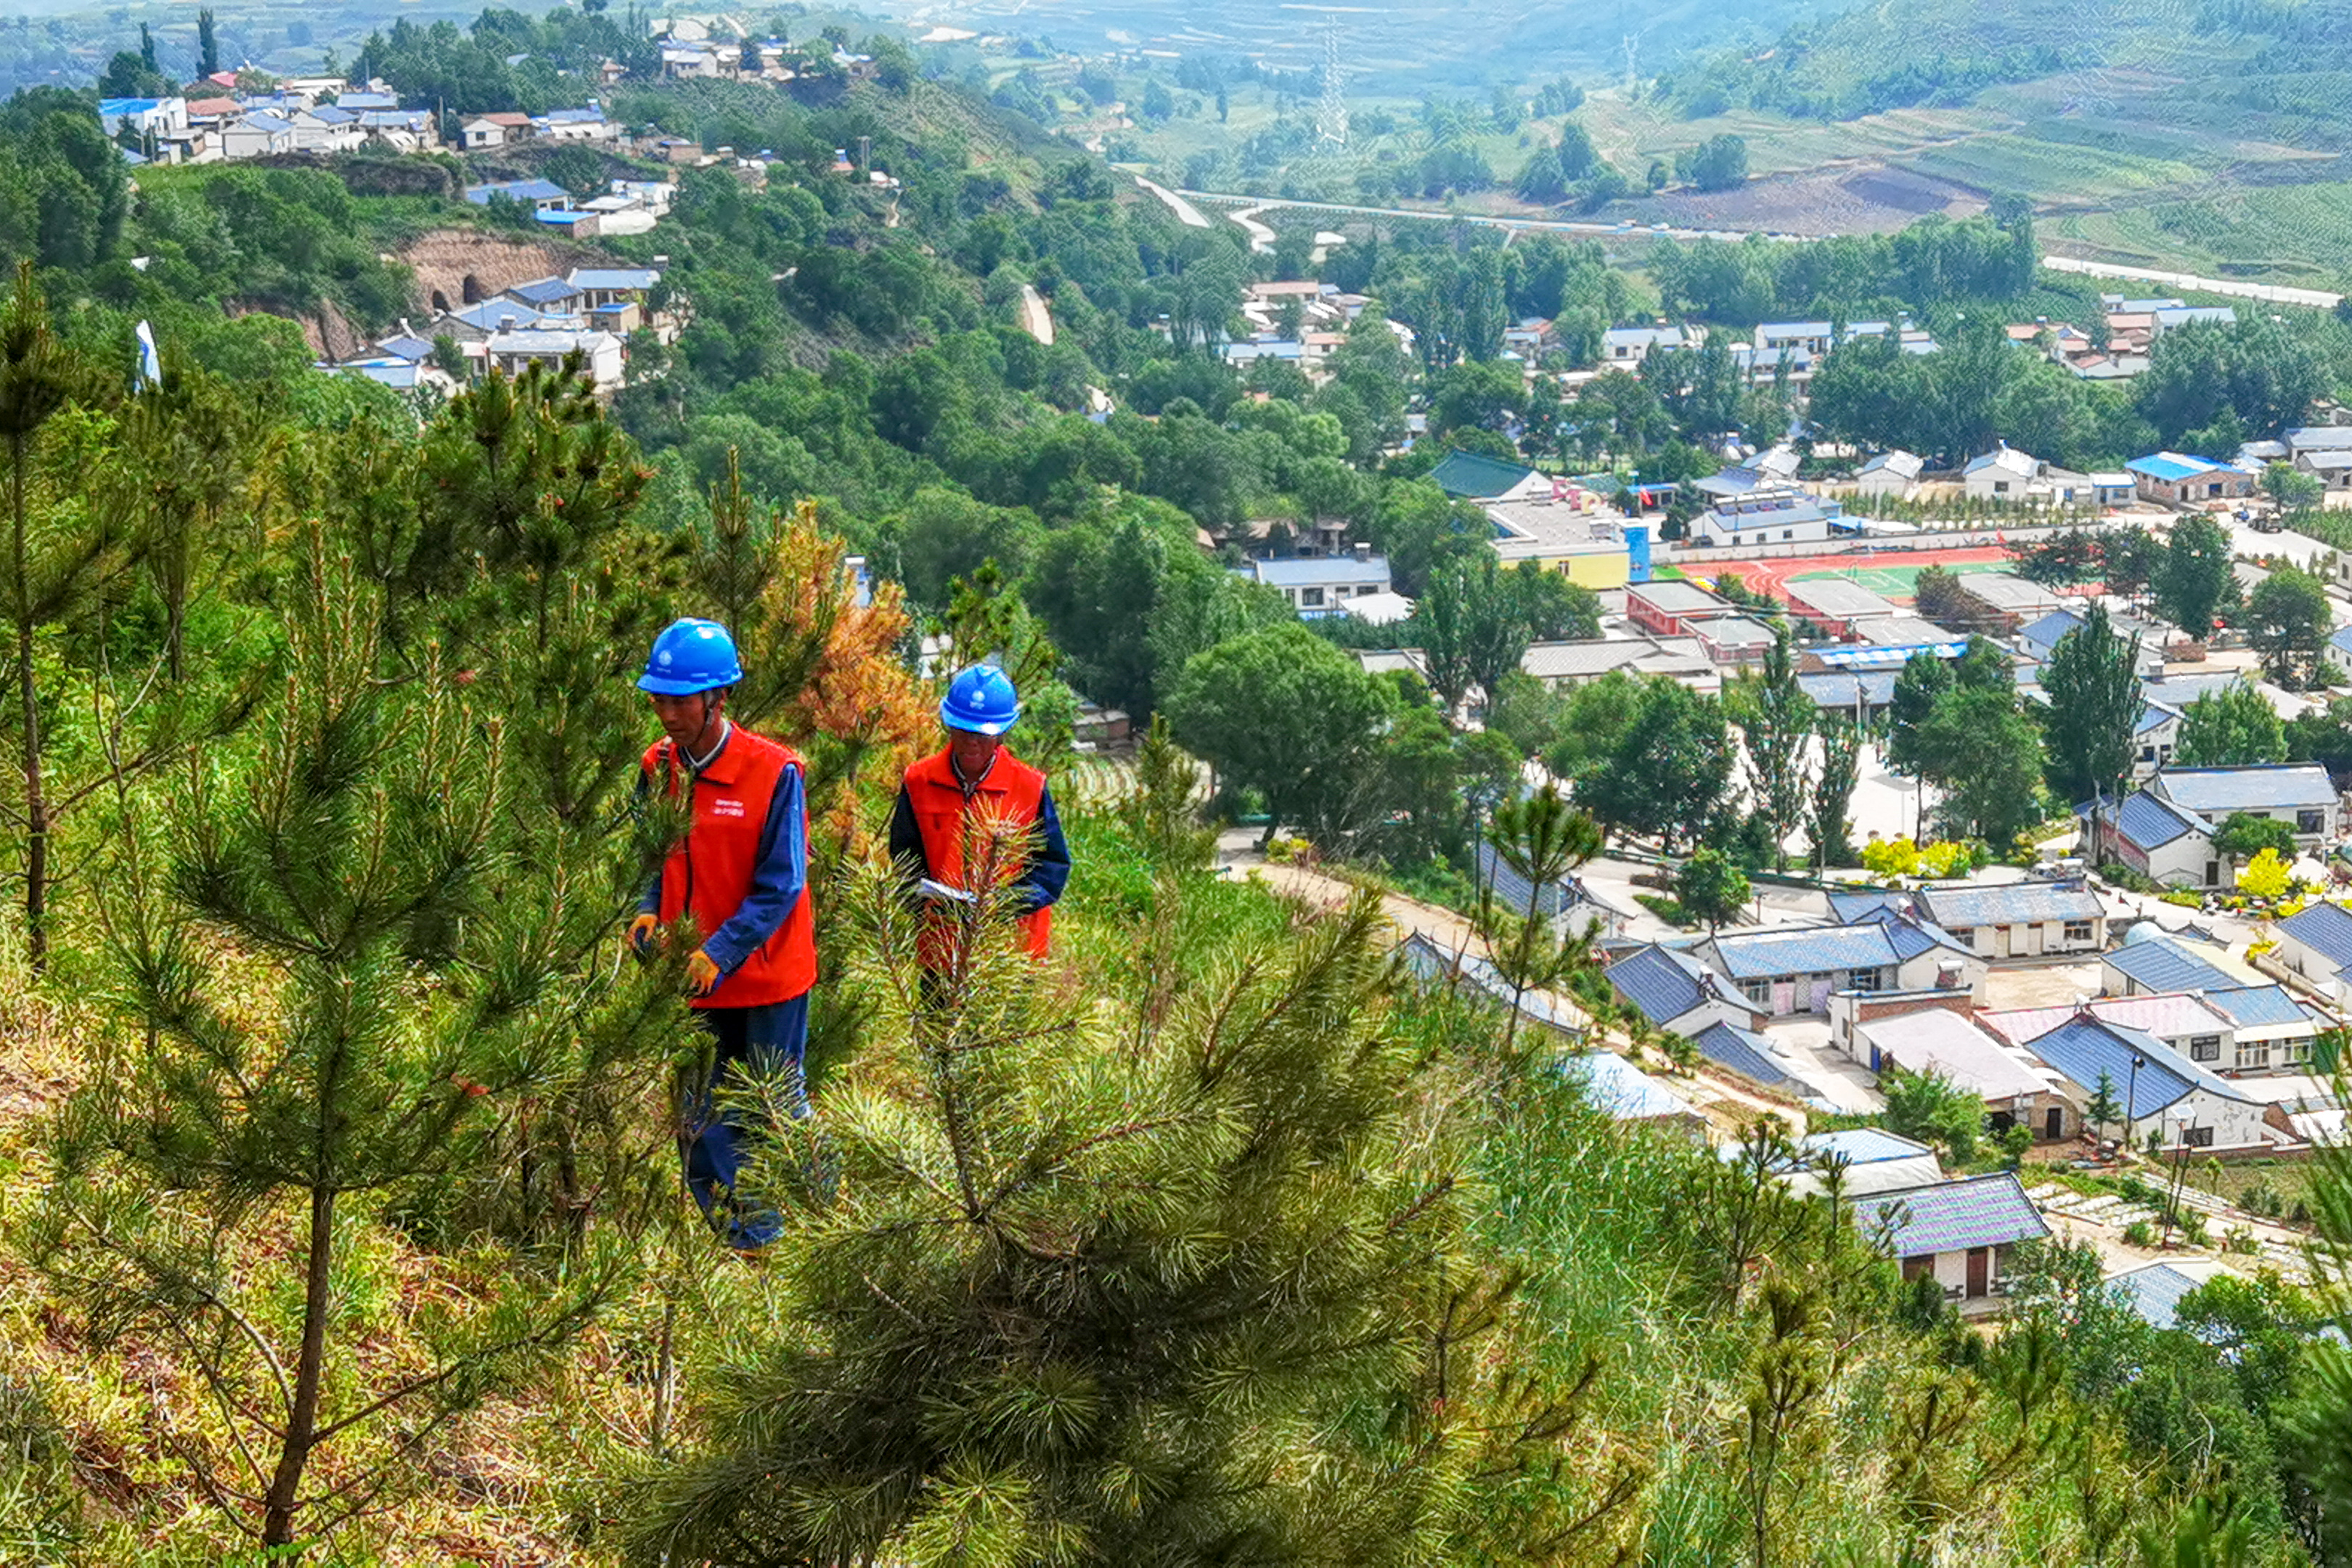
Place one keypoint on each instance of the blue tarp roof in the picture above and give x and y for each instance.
(1952, 1216)
(2173, 466)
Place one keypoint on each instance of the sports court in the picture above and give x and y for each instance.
(1889, 576)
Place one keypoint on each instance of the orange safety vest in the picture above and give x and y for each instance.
(708, 872)
(1013, 793)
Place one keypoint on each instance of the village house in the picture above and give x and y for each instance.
(1789, 970)
(2154, 1291)
(2040, 639)
(2152, 836)
(1679, 995)
(2300, 794)
(582, 124)
(1624, 348)
(2017, 1089)
(257, 136)
(2159, 1091)
(484, 131)
(2315, 945)
(1571, 533)
(2003, 474)
(332, 128)
(2185, 1022)
(1735, 642)
(1964, 1234)
(1737, 1048)
(512, 353)
(539, 194)
(1564, 665)
(1568, 907)
(1672, 607)
(1777, 518)
(2001, 602)
(1891, 474)
(1318, 586)
(1869, 1160)
(1434, 963)
(1838, 607)
(1625, 1093)
(2017, 920)
(2177, 480)
(2151, 962)
(1473, 476)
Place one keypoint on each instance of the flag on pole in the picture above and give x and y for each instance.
(150, 364)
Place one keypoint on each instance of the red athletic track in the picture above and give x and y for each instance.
(1770, 575)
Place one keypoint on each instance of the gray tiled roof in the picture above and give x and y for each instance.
(1677, 598)
(2082, 1047)
(2325, 929)
(1742, 1051)
(1663, 984)
(2160, 964)
(2258, 1007)
(2259, 787)
(2156, 1291)
(1511, 889)
(1836, 597)
(1952, 1216)
(2015, 903)
(1803, 950)
(2151, 822)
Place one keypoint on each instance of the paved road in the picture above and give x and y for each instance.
(1186, 213)
(2317, 299)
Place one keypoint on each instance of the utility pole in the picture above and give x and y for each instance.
(1331, 116)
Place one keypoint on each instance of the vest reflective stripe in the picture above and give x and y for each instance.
(1013, 792)
(709, 873)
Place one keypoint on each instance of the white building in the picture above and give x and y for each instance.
(1320, 587)
(515, 352)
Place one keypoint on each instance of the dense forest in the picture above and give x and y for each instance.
(334, 1152)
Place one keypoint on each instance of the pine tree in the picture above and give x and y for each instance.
(1543, 839)
(55, 557)
(1100, 1288)
(327, 1016)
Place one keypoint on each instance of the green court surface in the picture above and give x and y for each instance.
(1888, 581)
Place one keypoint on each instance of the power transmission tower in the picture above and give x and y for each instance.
(1331, 117)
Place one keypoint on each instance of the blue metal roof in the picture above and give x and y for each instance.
(2325, 929)
(1623, 1089)
(543, 291)
(1951, 1216)
(1663, 984)
(2170, 467)
(2162, 964)
(2045, 632)
(2258, 786)
(610, 278)
(1803, 950)
(2016, 903)
(2082, 1047)
(2154, 716)
(1742, 1051)
(2258, 1007)
(1893, 657)
(2342, 641)
(2151, 822)
(488, 313)
(1863, 1145)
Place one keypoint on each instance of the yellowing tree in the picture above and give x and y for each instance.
(2264, 875)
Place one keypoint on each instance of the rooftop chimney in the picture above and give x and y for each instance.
(505, 323)
(1363, 551)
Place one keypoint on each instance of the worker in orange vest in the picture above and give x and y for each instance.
(741, 873)
(975, 781)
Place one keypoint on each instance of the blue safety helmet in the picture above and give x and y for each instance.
(690, 656)
(980, 699)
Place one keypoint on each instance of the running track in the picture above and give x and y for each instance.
(1771, 574)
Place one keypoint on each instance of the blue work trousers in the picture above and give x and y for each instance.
(719, 1125)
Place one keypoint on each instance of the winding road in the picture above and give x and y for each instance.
(1183, 202)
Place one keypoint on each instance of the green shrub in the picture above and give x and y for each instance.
(2140, 1233)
